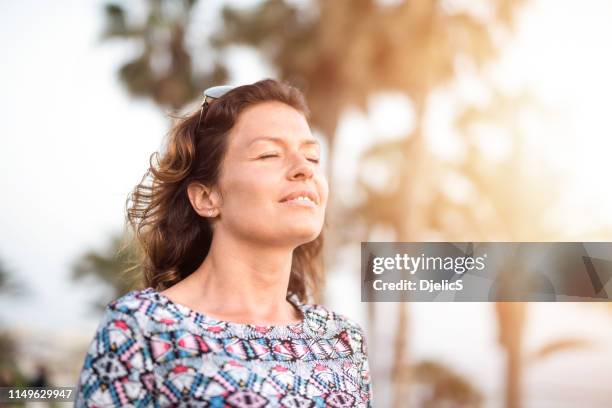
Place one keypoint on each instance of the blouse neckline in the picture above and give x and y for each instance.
(209, 321)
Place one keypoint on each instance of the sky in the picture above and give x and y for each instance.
(74, 144)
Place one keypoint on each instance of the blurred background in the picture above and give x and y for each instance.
(442, 120)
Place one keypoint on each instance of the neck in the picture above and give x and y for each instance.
(246, 282)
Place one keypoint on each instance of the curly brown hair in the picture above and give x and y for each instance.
(172, 240)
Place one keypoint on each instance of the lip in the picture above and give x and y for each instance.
(299, 203)
(306, 193)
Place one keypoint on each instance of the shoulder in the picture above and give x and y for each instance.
(121, 315)
(325, 313)
(335, 322)
(138, 309)
(132, 302)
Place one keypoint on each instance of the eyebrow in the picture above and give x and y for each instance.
(282, 141)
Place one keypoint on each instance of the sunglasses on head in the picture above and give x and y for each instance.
(212, 93)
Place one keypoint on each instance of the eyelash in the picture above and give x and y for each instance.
(276, 155)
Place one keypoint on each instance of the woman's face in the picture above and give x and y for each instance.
(273, 189)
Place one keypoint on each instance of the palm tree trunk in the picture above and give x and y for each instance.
(409, 228)
(401, 368)
(512, 317)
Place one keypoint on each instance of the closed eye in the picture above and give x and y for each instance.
(269, 155)
(265, 156)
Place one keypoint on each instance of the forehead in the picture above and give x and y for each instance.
(269, 120)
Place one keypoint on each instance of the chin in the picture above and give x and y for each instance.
(304, 235)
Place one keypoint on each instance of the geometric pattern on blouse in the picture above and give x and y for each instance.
(151, 352)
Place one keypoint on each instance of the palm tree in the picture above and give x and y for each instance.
(516, 200)
(518, 208)
(112, 267)
(163, 71)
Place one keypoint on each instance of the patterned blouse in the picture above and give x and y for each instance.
(151, 352)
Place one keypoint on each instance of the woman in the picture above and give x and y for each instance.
(230, 228)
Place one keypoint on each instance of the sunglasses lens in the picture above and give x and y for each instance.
(217, 91)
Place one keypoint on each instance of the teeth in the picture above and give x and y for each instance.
(304, 198)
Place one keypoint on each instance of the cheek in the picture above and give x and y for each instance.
(249, 190)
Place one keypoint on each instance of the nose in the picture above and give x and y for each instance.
(301, 168)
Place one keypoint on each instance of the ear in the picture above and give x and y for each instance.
(204, 200)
